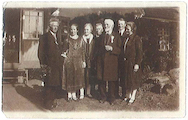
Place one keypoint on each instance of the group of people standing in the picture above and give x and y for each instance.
(108, 59)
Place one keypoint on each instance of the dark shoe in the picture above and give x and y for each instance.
(50, 105)
(117, 97)
(54, 105)
(114, 102)
(69, 99)
(89, 96)
(102, 101)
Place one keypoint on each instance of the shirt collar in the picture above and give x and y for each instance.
(122, 31)
(90, 37)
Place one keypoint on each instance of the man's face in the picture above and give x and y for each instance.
(107, 26)
(121, 25)
(99, 29)
(54, 27)
(87, 30)
(129, 30)
(73, 30)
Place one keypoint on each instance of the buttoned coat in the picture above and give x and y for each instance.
(110, 58)
(133, 55)
(121, 66)
(98, 50)
(49, 54)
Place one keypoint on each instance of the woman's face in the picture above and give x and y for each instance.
(73, 30)
(87, 30)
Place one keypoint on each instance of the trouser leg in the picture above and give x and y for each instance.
(49, 97)
(102, 90)
(123, 92)
(117, 89)
(128, 93)
(112, 88)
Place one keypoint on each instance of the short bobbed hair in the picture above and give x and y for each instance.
(90, 25)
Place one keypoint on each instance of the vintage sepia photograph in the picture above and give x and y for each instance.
(93, 59)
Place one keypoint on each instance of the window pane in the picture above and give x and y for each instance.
(40, 25)
(33, 13)
(32, 24)
(26, 24)
(26, 12)
(40, 14)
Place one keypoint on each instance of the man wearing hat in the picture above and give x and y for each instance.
(49, 54)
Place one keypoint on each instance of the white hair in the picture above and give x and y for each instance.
(109, 21)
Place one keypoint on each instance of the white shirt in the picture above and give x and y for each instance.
(54, 35)
(121, 31)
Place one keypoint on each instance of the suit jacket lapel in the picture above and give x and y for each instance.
(52, 39)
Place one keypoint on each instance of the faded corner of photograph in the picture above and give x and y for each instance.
(90, 59)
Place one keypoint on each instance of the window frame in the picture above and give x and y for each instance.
(23, 15)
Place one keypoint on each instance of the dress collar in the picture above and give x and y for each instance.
(90, 37)
(74, 37)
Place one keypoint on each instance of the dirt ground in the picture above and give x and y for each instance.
(19, 97)
(29, 98)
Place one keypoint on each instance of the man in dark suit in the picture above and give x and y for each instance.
(110, 52)
(97, 54)
(123, 35)
(49, 54)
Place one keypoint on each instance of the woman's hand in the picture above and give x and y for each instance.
(136, 67)
(83, 64)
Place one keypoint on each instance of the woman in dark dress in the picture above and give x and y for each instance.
(132, 58)
(73, 72)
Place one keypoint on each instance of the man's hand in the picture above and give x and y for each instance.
(108, 47)
(136, 67)
(43, 66)
(83, 64)
(64, 54)
(44, 70)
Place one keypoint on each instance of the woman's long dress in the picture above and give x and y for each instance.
(73, 73)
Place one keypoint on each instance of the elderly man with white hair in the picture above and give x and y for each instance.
(111, 49)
